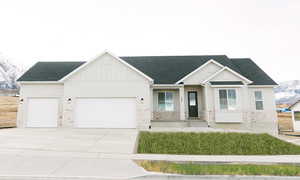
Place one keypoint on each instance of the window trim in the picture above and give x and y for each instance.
(236, 99)
(262, 100)
(158, 109)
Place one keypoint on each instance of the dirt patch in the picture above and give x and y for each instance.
(285, 122)
(8, 111)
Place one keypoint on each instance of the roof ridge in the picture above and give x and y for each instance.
(59, 61)
(177, 56)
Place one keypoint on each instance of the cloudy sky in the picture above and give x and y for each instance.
(268, 31)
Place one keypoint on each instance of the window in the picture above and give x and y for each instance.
(227, 99)
(259, 105)
(165, 101)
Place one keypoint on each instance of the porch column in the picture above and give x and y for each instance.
(207, 108)
(181, 103)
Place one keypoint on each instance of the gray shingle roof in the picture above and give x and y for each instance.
(49, 71)
(163, 69)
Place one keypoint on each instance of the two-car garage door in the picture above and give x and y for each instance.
(105, 113)
(88, 112)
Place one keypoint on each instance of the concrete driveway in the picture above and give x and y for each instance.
(120, 141)
(67, 153)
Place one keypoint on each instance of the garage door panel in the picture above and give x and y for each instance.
(105, 113)
(42, 112)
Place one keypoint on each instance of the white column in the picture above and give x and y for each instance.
(181, 103)
(207, 118)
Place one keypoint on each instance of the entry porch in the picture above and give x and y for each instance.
(179, 106)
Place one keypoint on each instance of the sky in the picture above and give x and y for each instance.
(267, 31)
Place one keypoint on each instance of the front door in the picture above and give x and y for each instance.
(193, 104)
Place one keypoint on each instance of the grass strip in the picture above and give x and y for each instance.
(220, 169)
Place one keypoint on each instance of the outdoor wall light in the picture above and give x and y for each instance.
(142, 99)
(69, 99)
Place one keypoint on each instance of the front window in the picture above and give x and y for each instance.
(165, 101)
(259, 104)
(227, 99)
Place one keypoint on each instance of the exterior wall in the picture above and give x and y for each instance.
(168, 115)
(108, 77)
(38, 91)
(264, 120)
(202, 74)
(200, 98)
(259, 121)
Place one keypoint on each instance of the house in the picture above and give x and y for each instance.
(295, 110)
(147, 91)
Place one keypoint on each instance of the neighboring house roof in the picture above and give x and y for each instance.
(49, 71)
(226, 82)
(292, 105)
(163, 69)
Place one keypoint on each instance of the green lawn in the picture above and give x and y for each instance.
(220, 169)
(214, 144)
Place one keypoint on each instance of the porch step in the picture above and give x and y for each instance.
(179, 123)
(197, 123)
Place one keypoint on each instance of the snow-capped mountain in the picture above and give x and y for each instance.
(8, 74)
(288, 92)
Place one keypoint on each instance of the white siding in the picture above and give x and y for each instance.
(107, 77)
(226, 76)
(202, 74)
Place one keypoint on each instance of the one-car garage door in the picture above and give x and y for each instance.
(105, 113)
(42, 112)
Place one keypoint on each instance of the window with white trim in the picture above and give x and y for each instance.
(259, 102)
(165, 101)
(227, 99)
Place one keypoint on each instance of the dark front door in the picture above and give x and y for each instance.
(193, 104)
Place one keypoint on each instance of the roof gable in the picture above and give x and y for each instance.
(98, 58)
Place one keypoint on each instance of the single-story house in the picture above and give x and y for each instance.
(295, 110)
(146, 91)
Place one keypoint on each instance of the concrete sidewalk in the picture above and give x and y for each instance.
(43, 167)
(163, 157)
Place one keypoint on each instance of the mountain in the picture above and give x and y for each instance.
(287, 92)
(8, 74)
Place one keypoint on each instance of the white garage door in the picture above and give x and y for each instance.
(42, 112)
(105, 113)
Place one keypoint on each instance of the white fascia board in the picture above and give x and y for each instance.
(226, 86)
(199, 68)
(102, 54)
(262, 86)
(167, 85)
(230, 70)
(39, 82)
